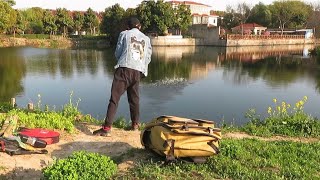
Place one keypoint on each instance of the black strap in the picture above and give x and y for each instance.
(24, 152)
(3, 147)
(214, 147)
(170, 156)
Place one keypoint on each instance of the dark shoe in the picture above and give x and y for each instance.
(102, 132)
(135, 127)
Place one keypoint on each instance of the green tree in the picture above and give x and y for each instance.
(34, 17)
(78, 21)
(130, 12)
(63, 20)
(183, 19)
(231, 18)
(10, 2)
(113, 22)
(144, 12)
(7, 14)
(90, 20)
(156, 16)
(49, 22)
(12, 23)
(290, 14)
(21, 24)
(313, 21)
(260, 14)
(12, 72)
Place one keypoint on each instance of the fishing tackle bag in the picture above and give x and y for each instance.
(177, 137)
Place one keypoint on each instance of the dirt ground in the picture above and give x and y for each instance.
(123, 144)
(29, 166)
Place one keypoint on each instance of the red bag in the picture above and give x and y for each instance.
(50, 137)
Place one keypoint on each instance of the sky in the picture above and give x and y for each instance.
(100, 5)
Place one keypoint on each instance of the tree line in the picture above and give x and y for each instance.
(156, 16)
(280, 14)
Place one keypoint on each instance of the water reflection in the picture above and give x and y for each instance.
(66, 63)
(278, 66)
(187, 62)
(186, 81)
(256, 53)
(12, 70)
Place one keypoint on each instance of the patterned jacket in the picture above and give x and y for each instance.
(133, 50)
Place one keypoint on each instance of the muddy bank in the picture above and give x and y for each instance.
(61, 43)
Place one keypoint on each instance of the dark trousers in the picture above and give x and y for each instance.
(124, 79)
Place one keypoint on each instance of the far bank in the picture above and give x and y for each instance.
(56, 42)
(102, 41)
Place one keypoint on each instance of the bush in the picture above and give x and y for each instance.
(81, 165)
(283, 119)
(5, 107)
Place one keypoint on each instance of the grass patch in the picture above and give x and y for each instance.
(44, 117)
(122, 123)
(242, 159)
(283, 119)
(2, 168)
(239, 158)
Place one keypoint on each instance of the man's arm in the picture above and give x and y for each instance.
(119, 47)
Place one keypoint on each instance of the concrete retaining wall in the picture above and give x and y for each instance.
(170, 41)
(268, 42)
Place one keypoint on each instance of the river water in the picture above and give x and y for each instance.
(214, 83)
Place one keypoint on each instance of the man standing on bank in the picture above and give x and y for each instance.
(133, 53)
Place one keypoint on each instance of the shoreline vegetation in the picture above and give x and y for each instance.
(282, 145)
(46, 41)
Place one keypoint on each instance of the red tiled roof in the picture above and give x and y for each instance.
(187, 3)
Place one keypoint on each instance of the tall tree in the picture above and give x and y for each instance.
(90, 20)
(63, 20)
(313, 21)
(130, 12)
(144, 12)
(12, 23)
(78, 21)
(49, 22)
(34, 18)
(113, 22)
(231, 18)
(156, 16)
(183, 19)
(6, 15)
(22, 23)
(10, 2)
(291, 14)
(260, 14)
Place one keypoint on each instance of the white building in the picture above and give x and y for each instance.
(200, 12)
